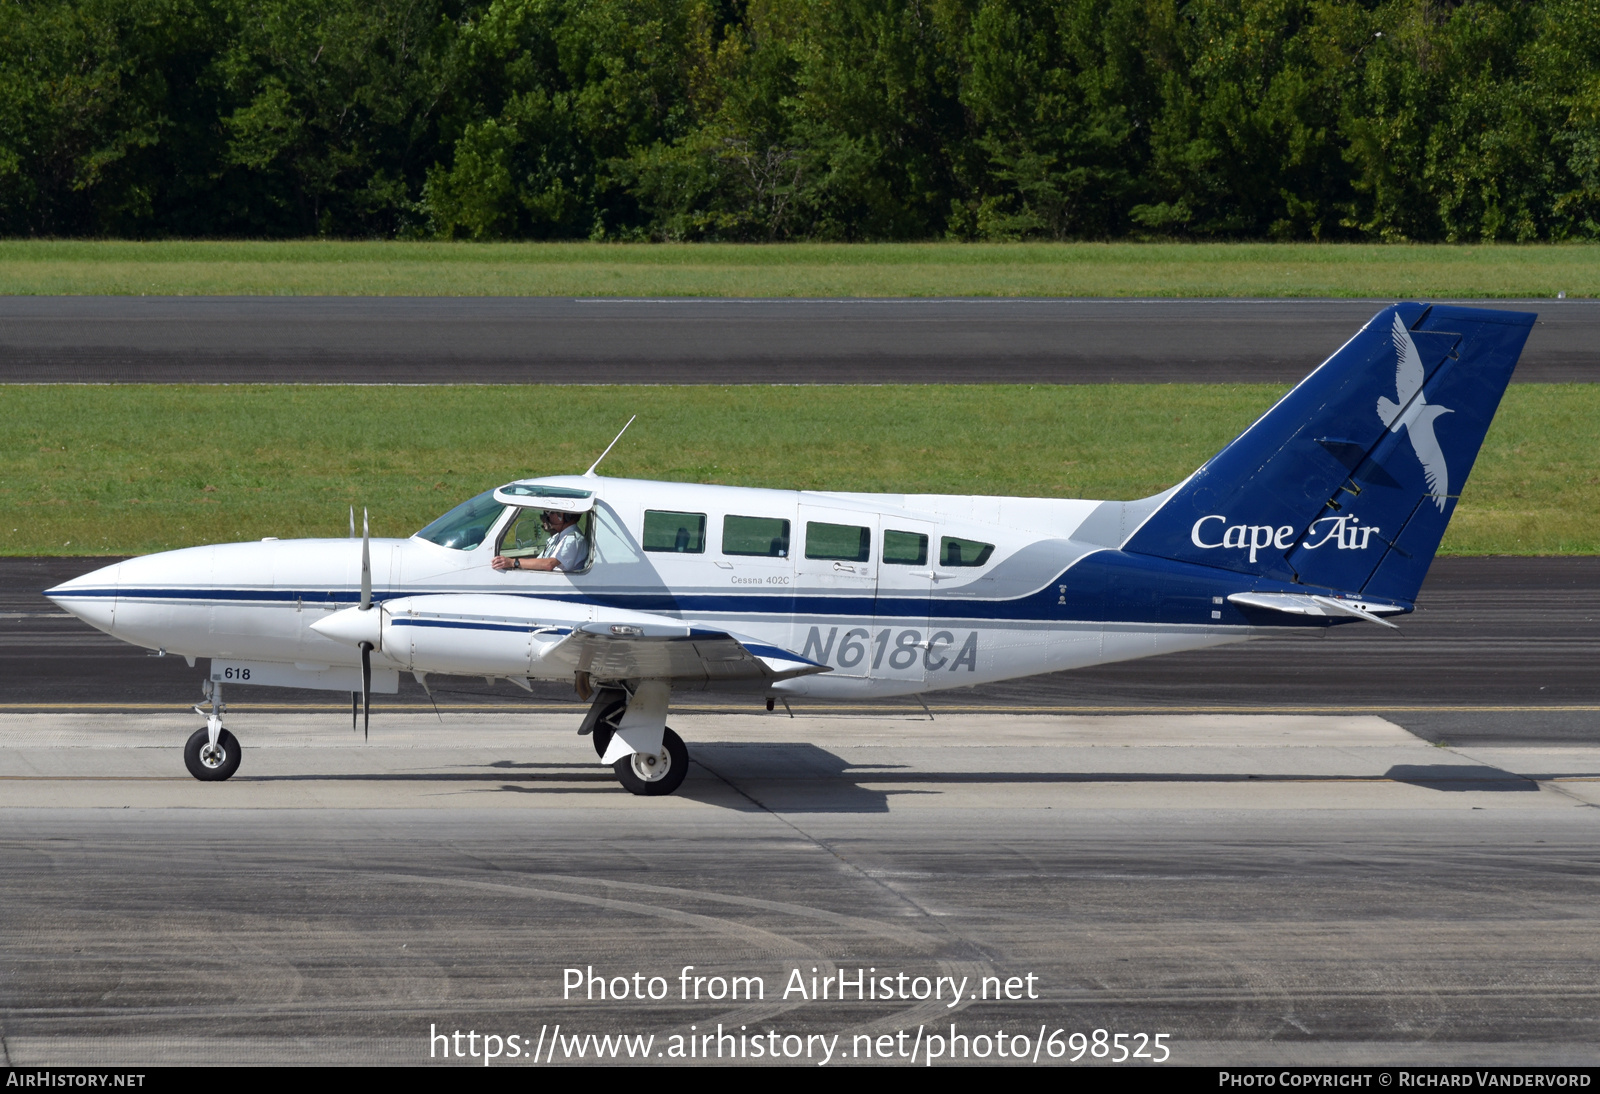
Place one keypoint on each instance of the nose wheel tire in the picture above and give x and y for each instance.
(655, 774)
(208, 764)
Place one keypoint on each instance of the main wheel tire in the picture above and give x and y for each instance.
(654, 775)
(605, 725)
(209, 766)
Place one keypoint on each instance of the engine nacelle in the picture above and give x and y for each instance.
(473, 635)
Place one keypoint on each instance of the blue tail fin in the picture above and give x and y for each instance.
(1350, 480)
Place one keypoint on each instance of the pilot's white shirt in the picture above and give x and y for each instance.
(567, 548)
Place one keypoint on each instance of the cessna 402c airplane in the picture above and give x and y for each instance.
(1327, 510)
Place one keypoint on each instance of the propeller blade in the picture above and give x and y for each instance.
(366, 564)
(355, 706)
(366, 688)
(352, 522)
(366, 647)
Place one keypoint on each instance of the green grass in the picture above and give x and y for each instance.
(929, 269)
(131, 469)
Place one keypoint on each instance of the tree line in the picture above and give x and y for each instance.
(1457, 120)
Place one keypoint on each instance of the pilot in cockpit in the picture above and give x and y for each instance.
(566, 549)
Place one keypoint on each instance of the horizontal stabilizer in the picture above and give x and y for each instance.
(1311, 604)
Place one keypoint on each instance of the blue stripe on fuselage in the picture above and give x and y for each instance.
(1105, 586)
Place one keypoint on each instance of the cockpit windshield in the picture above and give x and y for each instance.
(465, 526)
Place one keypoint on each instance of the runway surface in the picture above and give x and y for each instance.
(1499, 650)
(1267, 889)
(430, 340)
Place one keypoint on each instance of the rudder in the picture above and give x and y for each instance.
(1351, 479)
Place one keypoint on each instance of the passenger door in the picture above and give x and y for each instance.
(835, 587)
(900, 635)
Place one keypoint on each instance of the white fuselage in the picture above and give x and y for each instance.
(881, 627)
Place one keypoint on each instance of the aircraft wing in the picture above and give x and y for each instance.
(623, 651)
(484, 633)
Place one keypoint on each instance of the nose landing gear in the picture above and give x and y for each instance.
(212, 754)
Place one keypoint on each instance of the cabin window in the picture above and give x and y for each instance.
(684, 533)
(844, 542)
(465, 526)
(765, 536)
(904, 548)
(963, 552)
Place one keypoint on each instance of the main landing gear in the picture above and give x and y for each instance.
(212, 753)
(649, 774)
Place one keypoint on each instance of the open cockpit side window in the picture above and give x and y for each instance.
(525, 537)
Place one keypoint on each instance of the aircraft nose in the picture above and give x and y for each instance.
(91, 597)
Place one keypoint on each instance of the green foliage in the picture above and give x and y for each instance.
(760, 120)
(1057, 93)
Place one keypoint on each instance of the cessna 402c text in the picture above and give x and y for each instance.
(1327, 510)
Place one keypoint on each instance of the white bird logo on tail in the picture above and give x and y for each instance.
(1415, 413)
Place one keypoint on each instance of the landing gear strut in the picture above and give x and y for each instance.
(212, 753)
(648, 774)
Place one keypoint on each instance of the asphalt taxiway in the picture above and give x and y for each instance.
(432, 340)
(1260, 889)
(1368, 848)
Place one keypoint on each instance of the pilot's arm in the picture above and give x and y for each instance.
(500, 562)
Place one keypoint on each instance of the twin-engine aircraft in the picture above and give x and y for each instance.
(1327, 510)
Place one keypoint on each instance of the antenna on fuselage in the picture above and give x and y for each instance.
(589, 474)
